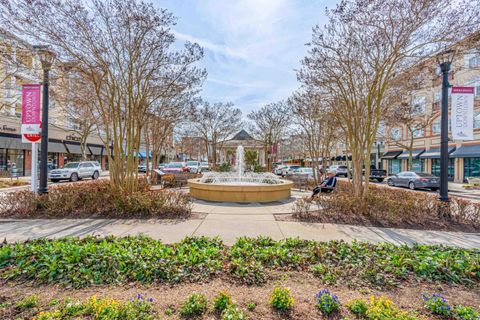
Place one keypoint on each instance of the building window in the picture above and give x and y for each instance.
(437, 96)
(418, 165)
(419, 105)
(474, 61)
(396, 133)
(418, 133)
(471, 167)
(436, 168)
(394, 166)
(436, 126)
(476, 85)
(476, 119)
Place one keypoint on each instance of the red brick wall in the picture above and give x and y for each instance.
(28, 162)
(61, 160)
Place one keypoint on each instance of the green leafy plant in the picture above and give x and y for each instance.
(232, 312)
(225, 167)
(27, 302)
(437, 304)
(327, 303)
(382, 308)
(358, 306)
(222, 301)
(251, 305)
(194, 306)
(465, 313)
(281, 299)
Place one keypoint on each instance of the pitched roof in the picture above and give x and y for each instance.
(242, 135)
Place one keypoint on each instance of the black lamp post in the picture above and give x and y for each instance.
(444, 60)
(46, 58)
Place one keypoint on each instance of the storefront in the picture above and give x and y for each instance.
(394, 165)
(433, 155)
(471, 160)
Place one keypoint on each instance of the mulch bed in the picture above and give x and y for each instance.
(304, 286)
(434, 223)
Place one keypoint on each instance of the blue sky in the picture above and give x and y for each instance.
(251, 46)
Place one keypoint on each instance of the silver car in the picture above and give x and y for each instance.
(414, 180)
(75, 171)
(194, 166)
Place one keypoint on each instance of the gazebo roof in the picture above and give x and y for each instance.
(242, 135)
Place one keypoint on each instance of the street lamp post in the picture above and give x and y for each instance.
(46, 58)
(444, 60)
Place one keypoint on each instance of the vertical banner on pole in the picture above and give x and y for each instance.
(462, 113)
(31, 125)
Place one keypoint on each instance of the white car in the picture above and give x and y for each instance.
(204, 166)
(279, 169)
(75, 171)
(194, 166)
(289, 169)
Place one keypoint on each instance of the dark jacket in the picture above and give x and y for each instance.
(330, 182)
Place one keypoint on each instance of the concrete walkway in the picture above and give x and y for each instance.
(228, 221)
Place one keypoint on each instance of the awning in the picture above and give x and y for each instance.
(434, 153)
(466, 152)
(74, 148)
(95, 150)
(56, 147)
(14, 143)
(391, 154)
(415, 154)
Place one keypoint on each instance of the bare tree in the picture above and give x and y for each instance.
(215, 123)
(269, 124)
(124, 49)
(366, 43)
(313, 117)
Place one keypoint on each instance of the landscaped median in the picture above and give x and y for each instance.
(387, 207)
(247, 270)
(96, 199)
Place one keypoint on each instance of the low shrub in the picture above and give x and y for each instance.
(358, 307)
(27, 302)
(437, 304)
(326, 302)
(465, 313)
(281, 299)
(388, 207)
(384, 308)
(88, 261)
(232, 312)
(96, 199)
(251, 305)
(222, 301)
(99, 309)
(194, 306)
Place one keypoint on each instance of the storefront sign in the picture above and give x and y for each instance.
(6, 128)
(30, 109)
(462, 113)
(73, 138)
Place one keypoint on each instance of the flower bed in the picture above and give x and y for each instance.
(282, 303)
(84, 262)
(386, 207)
(95, 199)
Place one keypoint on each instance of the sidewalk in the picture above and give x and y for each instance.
(228, 228)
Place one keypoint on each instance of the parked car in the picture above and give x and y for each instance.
(289, 169)
(278, 170)
(204, 166)
(303, 171)
(340, 170)
(142, 168)
(376, 174)
(194, 166)
(414, 180)
(75, 171)
(175, 167)
(161, 166)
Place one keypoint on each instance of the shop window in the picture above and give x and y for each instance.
(394, 166)
(418, 165)
(451, 168)
(476, 119)
(471, 167)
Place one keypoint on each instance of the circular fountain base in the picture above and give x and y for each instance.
(238, 192)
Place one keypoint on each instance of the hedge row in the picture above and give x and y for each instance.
(82, 262)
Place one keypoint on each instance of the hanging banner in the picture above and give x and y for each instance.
(30, 109)
(462, 113)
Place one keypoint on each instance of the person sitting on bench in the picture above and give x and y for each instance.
(327, 185)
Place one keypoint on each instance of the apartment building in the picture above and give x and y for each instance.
(464, 156)
(19, 65)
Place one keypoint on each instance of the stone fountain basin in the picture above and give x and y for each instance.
(243, 193)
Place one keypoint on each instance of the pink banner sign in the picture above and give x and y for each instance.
(30, 109)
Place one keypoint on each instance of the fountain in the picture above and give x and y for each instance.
(240, 186)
